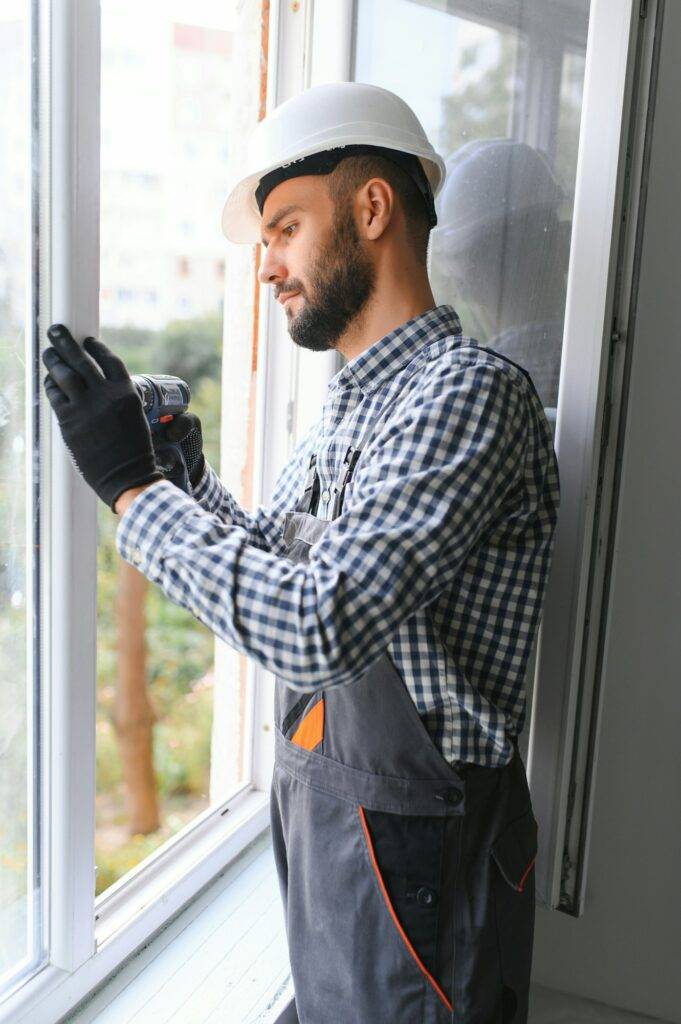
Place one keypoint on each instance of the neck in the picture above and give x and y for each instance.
(388, 308)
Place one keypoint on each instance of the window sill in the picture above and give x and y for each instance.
(224, 957)
(135, 912)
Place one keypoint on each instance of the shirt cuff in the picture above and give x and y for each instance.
(209, 489)
(149, 519)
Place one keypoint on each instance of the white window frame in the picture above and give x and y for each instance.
(88, 938)
(560, 746)
(606, 235)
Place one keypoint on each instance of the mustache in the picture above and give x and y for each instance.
(292, 287)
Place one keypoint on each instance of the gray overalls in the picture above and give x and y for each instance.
(407, 885)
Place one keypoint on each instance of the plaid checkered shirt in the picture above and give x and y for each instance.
(440, 556)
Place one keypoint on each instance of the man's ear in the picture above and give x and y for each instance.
(376, 203)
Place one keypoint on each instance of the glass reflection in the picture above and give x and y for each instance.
(497, 85)
(499, 241)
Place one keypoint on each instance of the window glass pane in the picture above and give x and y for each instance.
(497, 85)
(163, 757)
(20, 904)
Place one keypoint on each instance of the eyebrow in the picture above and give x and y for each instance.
(279, 215)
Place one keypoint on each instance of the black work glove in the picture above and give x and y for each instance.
(100, 414)
(185, 429)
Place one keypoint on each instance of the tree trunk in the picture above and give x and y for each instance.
(134, 715)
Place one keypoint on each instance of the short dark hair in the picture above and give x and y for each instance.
(354, 171)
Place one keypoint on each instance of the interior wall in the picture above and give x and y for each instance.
(625, 948)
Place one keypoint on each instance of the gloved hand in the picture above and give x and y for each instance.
(185, 429)
(100, 414)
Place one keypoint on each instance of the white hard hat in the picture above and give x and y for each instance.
(344, 117)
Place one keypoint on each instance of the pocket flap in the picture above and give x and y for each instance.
(303, 526)
(515, 850)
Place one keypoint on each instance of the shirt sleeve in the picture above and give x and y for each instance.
(260, 526)
(263, 527)
(427, 487)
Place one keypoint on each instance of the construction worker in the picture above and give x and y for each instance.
(394, 585)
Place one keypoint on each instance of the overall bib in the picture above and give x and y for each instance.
(407, 885)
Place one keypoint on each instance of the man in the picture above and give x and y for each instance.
(394, 585)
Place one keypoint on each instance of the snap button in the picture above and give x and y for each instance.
(426, 897)
(452, 796)
(326, 495)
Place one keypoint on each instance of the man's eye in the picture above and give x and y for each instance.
(288, 226)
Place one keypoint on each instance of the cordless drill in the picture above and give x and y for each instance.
(163, 398)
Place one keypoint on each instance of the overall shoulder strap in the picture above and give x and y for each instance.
(350, 460)
(310, 497)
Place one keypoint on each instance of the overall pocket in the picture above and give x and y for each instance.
(514, 852)
(406, 854)
(304, 723)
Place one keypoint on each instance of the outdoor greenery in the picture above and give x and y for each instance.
(179, 649)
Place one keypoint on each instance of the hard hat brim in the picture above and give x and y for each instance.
(241, 220)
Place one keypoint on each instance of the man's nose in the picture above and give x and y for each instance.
(271, 268)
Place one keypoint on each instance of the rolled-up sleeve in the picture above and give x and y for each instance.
(428, 485)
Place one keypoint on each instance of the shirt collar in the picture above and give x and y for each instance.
(385, 357)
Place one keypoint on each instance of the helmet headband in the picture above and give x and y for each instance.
(326, 161)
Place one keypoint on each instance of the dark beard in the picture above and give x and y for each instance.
(344, 279)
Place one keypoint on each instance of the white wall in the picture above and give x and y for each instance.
(626, 948)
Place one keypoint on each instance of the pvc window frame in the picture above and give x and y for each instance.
(85, 939)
